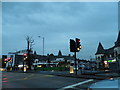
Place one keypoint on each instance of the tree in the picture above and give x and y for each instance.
(30, 43)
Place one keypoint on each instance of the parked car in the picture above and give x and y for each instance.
(111, 84)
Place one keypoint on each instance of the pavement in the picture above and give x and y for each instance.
(89, 74)
(79, 75)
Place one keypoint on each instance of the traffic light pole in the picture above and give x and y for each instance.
(23, 64)
(75, 46)
(75, 65)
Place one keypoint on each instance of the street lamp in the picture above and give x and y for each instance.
(43, 43)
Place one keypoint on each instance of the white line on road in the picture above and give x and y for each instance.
(71, 86)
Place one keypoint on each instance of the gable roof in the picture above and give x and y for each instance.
(100, 49)
(59, 53)
(117, 43)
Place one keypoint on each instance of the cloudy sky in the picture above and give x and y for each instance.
(57, 22)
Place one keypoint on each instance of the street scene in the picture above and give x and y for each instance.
(51, 81)
(60, 46)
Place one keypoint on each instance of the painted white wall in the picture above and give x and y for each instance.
(99, 55)
(97, 60)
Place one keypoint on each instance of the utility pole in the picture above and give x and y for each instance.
(43, 44)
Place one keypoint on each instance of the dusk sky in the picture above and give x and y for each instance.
(58, 22)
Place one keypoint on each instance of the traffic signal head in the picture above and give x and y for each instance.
(72, 46)
(78, 45)
(25, 56)
(5, 59)
(9, 59)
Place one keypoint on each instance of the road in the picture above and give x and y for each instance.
(43, 81)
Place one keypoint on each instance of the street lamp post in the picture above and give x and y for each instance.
(43, 44)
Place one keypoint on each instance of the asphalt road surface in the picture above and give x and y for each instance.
(43, 81)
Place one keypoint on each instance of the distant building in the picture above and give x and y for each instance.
(17, 58)
(52, 57)
(108, 58)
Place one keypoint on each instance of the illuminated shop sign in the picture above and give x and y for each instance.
(114, 60)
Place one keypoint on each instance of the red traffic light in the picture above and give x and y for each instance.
(8, 59)
(5, 59)
(78, 44)
(77, 40)
(24, 54)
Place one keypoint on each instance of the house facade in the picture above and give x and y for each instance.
(108, 59)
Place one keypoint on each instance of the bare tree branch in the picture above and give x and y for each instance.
(30, 42)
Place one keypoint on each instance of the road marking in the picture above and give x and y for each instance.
(25, 78)
(49, 75)
(72, 86)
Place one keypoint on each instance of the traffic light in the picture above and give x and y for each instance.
(24, 56)
(5, 59)
(8, 59)
(72, 46)
(78, 45)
